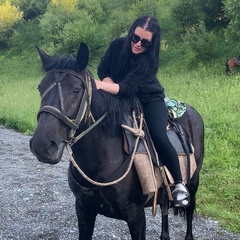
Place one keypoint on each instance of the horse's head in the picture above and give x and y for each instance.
(65, 96)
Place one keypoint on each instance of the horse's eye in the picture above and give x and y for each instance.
(77, 90)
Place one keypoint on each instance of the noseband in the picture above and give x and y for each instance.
(84, 109)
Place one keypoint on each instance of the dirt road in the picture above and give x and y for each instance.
(37, 204)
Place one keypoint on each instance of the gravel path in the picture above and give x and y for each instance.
(36, 202)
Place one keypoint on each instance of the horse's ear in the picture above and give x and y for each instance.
(45, 59)
(83, 55)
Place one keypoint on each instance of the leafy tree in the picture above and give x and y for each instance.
(94, 9)
(65, 25)
(25, 36)
(119, 24)
(66, 5)
(9, 16)
(232, 11)
(31, 8)
(189, 13)
(200, 44)
(213, 14)
(147, 7)
(186, 14)
(109, 5)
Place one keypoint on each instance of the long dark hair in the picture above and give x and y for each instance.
(147, 62)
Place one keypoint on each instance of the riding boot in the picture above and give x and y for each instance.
(181, 196)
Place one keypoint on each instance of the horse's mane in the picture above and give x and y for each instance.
(116, 107)
(102, 102)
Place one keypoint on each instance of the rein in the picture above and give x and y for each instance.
(137, 132)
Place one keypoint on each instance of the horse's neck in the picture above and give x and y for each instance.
(99, 155)
(97, 143)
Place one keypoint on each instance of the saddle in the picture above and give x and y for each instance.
(152, 173)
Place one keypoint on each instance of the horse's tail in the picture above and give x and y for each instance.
(227, 69)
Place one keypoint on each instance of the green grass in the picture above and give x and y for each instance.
(19, 96)
(208, 89)
(19, 105)
(216, 97)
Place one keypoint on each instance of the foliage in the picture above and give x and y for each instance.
(213, 14)
(60, 25)
(149, 7)
(118, 26)
(25, 30)
(31, 8)
(187, 14)
(94, 9)
(199, 44)
(232, 11)
(67, 6)
(10, 15)
(71, 26)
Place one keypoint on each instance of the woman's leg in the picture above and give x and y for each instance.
(156, 116)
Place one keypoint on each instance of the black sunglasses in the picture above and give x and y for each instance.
(144, 42)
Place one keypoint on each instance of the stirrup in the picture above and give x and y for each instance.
(181, 203)
(184, 201)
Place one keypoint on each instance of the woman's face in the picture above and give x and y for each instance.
(141, 40)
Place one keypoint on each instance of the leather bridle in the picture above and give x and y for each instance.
(84, 109)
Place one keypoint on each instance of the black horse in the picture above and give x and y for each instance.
(231, 64)
(74, 113)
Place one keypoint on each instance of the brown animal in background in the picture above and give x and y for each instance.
(231, 63)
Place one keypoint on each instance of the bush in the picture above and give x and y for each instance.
(69, 29)
(25, 36)
(9, 16)
(200, 44)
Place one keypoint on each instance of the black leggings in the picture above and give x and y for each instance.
(156, 116)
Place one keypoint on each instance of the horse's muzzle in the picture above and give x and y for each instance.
(51, 154)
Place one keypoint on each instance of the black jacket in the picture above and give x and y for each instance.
(147, 87)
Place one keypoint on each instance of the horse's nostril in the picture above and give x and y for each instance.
(53, 145)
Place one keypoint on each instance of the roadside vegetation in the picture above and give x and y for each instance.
(196, 43)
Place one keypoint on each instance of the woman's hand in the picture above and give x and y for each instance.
(108, 79)
(107, 86)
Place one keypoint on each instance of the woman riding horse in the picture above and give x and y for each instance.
(129, 68)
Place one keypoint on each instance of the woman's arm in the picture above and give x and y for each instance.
(107, 85)
(108, 79)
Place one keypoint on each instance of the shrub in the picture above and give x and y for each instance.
(9, 16)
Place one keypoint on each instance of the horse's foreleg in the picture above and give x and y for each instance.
(165, 228)
(135, 218)
(86, 221)
(189, 215)
(164, 210)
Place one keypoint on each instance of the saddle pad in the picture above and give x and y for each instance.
(174, 139)
(130, 139)
(175, 108)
